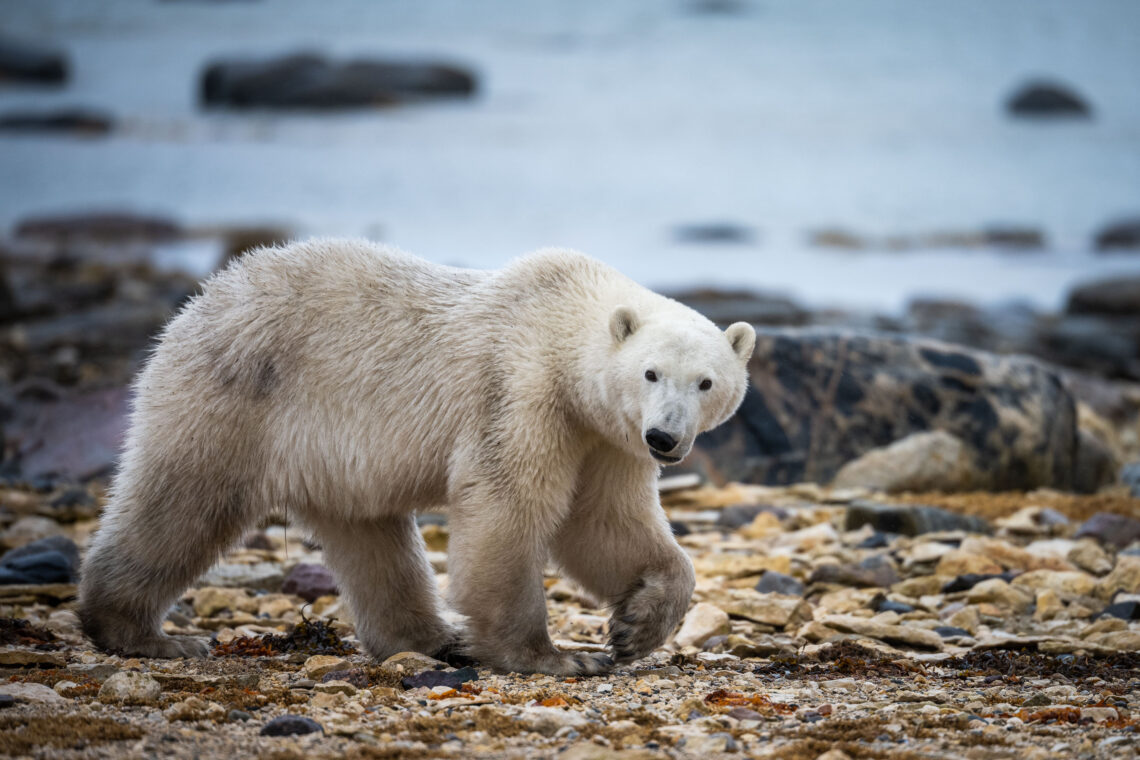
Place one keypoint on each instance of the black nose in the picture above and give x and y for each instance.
(660, 440)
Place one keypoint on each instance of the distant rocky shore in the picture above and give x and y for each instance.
(946, 396)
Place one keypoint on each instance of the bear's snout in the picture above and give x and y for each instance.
(661, 441)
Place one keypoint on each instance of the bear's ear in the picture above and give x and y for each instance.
(623, 323)
(742, 337)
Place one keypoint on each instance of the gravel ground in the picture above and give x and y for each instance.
(815, 631)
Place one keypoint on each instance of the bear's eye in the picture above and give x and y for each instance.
(705, 384)
(650, 375)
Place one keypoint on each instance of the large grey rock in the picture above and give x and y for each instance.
(932, 461)
(820, 398)
(310, 81)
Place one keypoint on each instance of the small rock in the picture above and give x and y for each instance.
(772, 582)
(910, 520)
(77, 121)
(997, 591)
(406, 663)
(355, 676)
(702, 622)
(451, 678)
(209, 601)
(194, 708)
(872, 571)
(770, 609)
(969, 580)
(966, 564)
(1040, 699)
(320, 664)
(236, 716)
(549, 720)
(1074, 582)
(290, 725)
(54, 559)
(882, 604)
(1099, 714)
(1048, 605)
(28, 529)
(30, 692)
(739, 515)
(1045, 99)
(261, 576)
(951, 632)
(1111, 529)
(335, 687)
(309, 581)
(1123, 611)
(131, 688)
(1124, 577)
(1087, 555)
(7, 700)
(705, 745)
(892, 634)
(743, 713)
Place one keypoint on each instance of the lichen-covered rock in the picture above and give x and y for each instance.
(821, 398)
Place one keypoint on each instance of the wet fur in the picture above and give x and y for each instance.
(350, 386)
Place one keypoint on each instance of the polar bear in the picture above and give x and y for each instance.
(351, 385)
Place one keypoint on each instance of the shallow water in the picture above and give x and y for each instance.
(604, 126)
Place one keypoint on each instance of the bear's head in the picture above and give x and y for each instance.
(673, 375)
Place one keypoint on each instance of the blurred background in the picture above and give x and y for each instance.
(968, 171)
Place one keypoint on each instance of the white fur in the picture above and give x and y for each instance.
(351, 385)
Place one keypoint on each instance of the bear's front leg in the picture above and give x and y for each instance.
(495, 559)
(616, 542)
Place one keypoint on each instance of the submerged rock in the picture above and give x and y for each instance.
(1048, 99)
(23, 61)
(311, 81)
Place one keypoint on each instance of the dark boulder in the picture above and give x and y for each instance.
(309, 81)
(1106, 345)
(820, 398)
(1122, 235)
(27, 62)
(1047, 100)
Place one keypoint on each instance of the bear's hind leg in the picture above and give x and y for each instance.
(155, 540)
(382, 569)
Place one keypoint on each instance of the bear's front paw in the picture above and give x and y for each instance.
(643, 619)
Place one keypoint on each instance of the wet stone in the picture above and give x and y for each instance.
(431, 678)
(772, 582)
(291, 725)
(1110, 529)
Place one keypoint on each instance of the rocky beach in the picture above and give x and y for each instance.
(905, 548)
(918, 537)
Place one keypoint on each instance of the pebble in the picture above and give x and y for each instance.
(309, 581)
(772, 582)
(131, 688)
(320, 664)
(452, 679)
